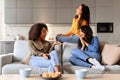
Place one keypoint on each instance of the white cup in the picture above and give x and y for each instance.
(81, 73)
(25, 72)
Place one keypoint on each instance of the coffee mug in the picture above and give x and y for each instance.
(25, 72)
(81, 73)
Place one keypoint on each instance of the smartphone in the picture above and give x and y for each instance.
(49, 57)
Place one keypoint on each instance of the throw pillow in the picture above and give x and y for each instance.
(101, 45)
(110, 54)
(26, 59)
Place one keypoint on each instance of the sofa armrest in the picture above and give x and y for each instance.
(58, 48)
(5, 59)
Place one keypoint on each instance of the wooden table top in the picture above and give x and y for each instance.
(64, 77)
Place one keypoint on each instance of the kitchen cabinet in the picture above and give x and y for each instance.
(55, 11)
(24, 11)
(10, 11)
(18, 11)
(104, 10)
(44, 11)
(64, 11)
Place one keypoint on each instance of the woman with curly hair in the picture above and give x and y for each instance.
(43, 53)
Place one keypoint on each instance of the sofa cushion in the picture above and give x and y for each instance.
(26, 59)
(67, 47)
(114, 69)
(13, 68)
(110, 54)
(101, 45)
(70, 69)
(21, 49)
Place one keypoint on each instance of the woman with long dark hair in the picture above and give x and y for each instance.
(87, 54)
(81, 18)
(43, 53)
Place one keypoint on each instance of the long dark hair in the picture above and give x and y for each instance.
(35, 31)
(88, 35)
(85, 15)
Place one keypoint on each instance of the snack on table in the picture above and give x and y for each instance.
(45, 75)
(51, 74)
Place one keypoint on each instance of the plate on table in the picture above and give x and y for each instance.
(50, 77)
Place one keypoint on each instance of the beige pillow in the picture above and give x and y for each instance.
(110, 54)
(101, 45)
(26, 59)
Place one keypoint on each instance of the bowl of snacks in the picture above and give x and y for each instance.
(51, 75)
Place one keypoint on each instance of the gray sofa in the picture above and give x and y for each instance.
(10, 63)
(69, 68)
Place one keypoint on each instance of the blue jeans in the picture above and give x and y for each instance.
(79, 58)
(37, 61)
(72, 39)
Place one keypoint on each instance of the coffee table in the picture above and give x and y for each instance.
(64, 77)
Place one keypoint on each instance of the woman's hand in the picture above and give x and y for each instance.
(60, 35)
(56, 43)
(86, 43)
(83, 43)
(45, 56)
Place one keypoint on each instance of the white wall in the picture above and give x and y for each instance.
(116, 20)
(2, 26)
(23, 29)
(115, 36)
(54, 29)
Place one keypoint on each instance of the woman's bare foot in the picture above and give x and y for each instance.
(57, 68)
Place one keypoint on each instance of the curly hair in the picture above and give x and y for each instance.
(35, 31)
